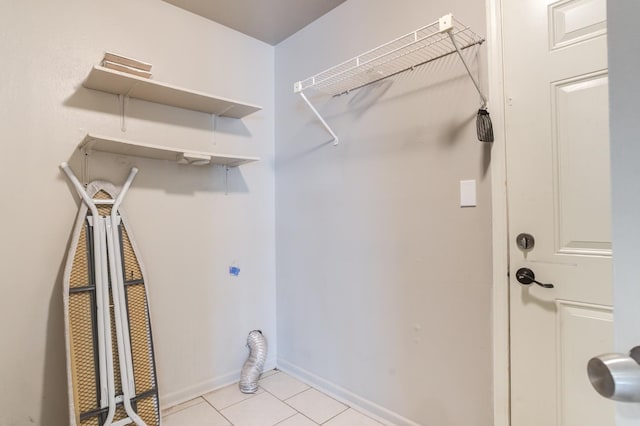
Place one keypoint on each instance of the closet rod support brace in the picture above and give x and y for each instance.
(324, 123)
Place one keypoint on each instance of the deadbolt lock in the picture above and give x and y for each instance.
(525, 241)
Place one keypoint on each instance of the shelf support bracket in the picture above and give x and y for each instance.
(124, 100)
(324, 123)
(85, 166)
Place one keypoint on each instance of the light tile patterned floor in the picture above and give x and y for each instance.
(281, 400)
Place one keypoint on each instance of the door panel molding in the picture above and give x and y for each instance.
(575, 21)
(580, 123)
(582, 329)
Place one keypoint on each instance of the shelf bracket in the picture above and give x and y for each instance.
(324, 123)
(124, 100)
(85, 166)
(214, 127)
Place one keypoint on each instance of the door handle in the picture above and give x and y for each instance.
(616, 376)
(525, 276)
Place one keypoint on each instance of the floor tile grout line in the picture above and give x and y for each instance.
(322, 393)
(299, 393)
(238, 402)
(219, 411)
(249, 397)
(292, 416)
(244, 400)
(204, 400)
(214, 391)
(329, 419)
(295, 394)
(309, 387)
(280, 399)
(346, 407)
(328, 396)
(264, 390)
(298, 411)
(290, 406)
(307, 417)
(182, 409)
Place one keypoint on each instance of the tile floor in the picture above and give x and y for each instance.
(281, 400)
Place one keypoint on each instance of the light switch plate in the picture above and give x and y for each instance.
(467, 193)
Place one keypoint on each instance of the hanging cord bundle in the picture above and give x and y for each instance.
(484, 128)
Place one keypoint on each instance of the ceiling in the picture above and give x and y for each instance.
(268, 20)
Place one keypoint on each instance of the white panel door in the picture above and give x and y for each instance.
(558, 180)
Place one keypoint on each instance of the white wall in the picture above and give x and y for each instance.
(189, 230)
(624, 62)
(384, 282)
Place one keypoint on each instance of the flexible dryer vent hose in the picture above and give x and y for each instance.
(254, 364)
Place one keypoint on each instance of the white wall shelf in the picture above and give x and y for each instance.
(420, 47)
(93, 142)
(124, 84)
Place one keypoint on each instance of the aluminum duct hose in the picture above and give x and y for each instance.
(253, 365)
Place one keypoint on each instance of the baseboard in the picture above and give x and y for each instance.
(186, 394)
(367, 407)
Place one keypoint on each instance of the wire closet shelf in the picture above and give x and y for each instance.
(405, 53)
(420, 47)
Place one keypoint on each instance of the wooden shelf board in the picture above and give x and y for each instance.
(93, 142)
(116, 82)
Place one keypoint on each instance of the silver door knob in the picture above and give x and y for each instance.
(616, 376)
